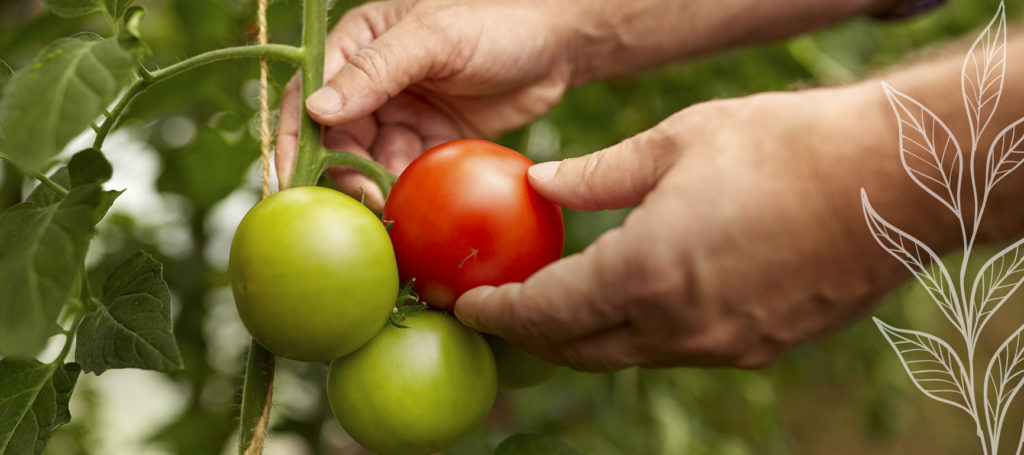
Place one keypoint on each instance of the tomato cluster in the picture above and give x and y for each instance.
(315, 276)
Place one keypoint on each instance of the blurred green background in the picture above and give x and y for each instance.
(187, 156)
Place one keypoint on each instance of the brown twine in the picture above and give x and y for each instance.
(260, 432)
(264, 100)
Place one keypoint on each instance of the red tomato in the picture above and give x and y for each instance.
(464, 215)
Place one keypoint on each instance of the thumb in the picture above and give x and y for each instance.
(616, 177)
(401, 57)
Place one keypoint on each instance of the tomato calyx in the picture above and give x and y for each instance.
(407, 303)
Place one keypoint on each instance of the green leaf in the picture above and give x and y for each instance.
(41, 251)
(107, 199)
(73, 8)
(85, 167)
(133, 19)
(131, 328)
(44, 195)
(5, 74)
(58, 96)
(115, 8)
(534, 444)
(89, 166)
(33, 401)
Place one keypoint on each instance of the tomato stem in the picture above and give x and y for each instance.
(309, 162)
(56, 187)
(148, 78)
(384, 179)
(256, 396)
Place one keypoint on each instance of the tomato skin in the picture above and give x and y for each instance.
(313, 274)
(414, 390)
(465, 215)
(518, 369)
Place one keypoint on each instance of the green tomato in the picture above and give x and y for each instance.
(518, 369)
(414, 390)
(313, 274)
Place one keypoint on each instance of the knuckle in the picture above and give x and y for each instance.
(589, 178)
(510, 320)
(370, 63)
(375, 16)
(655, 278)
(660, 146)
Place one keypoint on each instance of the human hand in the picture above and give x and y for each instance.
(749, 236)
(406, 75)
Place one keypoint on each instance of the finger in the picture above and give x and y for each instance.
(357, 185)
(347, 180)
(356, 135)
(397, 146)
(616, 177)
(288, 132)
(397, 59)
(567, 299)
(718, 345)
(608, 350)
(421, 115)
(359, 26)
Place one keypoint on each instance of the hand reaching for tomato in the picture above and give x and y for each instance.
(749, 236)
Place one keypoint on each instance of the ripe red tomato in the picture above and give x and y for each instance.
(465, 215)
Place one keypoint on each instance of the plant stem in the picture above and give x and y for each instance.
(256, 398)
(147, 78)
(259, 369)
(310, 159)
(56, 187)
(384, 179)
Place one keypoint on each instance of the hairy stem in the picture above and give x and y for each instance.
(147, 79)
(384, 179)
(309, 162)
(56, 187)
(256, 397)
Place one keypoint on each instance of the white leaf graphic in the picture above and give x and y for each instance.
(919, 259)
(928, 149)
(997, 280)
(981, 79)
(1005, 154)
(931, 363)
(1003, 380)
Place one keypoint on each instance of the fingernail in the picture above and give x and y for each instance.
(325, 101)
(544, 171)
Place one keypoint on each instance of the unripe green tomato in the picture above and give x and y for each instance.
(414, 390)
(313, 274)
(518, 369)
